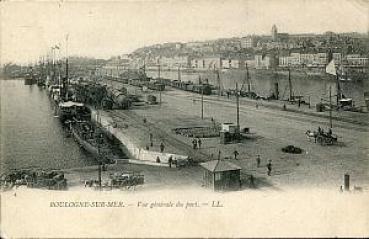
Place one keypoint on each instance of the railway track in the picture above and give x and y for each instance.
(286, 114)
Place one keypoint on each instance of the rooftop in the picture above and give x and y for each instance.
(220, 166)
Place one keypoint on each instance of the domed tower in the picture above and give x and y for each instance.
(274, 33)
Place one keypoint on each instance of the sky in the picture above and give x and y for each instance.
(105, 28)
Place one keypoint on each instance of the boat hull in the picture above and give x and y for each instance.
(93, 150)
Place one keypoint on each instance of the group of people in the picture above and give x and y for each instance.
(321, 131)
(196, 143)
(258, 162)
(161, 146)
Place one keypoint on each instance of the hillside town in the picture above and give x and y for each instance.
(277, 50)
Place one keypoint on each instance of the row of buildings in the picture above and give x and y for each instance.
(321, 59)
(257, 61)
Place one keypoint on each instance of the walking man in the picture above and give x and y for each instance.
(235, 154)
(199, 142)
(194, 143)
(151, 139)
(170, 161)
(269, 167)
(258, 160)
(162, 147)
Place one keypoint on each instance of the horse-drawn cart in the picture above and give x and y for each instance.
(323, 138)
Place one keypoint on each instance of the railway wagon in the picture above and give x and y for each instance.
(189, 87)
(138, 82)
(202, 89)
(181, 85)
(156, 86)
(164, 81)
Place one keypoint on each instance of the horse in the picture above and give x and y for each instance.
(311, 134)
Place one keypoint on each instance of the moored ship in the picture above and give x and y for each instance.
(92, 139)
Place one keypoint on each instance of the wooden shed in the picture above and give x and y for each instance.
(222, 175)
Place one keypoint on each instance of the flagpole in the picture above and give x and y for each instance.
(330, 107)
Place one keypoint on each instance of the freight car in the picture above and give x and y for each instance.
(202, 89)
(119, 98)
(164, 81)
(139, 82)
(156, 86)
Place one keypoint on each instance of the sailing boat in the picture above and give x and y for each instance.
(247, 81)
(342, 101)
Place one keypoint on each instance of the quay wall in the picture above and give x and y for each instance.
(133, 148)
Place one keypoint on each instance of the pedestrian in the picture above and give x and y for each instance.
(175, 162)
(269, 167)
(151, 140)
(258, 160)
(157, 159)
(170, 161)
(194, 143)
(199, 142)
(284, 107)
(257, 106)
(162, 147)
(235, 154)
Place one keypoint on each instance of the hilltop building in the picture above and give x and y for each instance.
(274, 33)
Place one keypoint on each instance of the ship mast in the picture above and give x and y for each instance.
(66, 84)
(219, 87)
(290, 84)
(179, 73)
(248, 79)
(237, 108)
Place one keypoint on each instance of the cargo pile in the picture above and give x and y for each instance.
(45, 179)
(198, 132)
(126, 179)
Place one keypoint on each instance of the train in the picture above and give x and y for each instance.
(102, 95)
(205, 89)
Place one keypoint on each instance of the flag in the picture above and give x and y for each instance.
(331, 68)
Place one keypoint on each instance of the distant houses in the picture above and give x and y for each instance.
(254, 51)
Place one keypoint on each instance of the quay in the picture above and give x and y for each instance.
(268, 125)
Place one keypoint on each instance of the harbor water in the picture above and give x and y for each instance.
(264, 83)
(30, 136)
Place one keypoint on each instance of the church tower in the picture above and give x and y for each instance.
(274, 33)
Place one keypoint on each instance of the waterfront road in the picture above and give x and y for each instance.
(318, 165)
(272, 129)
